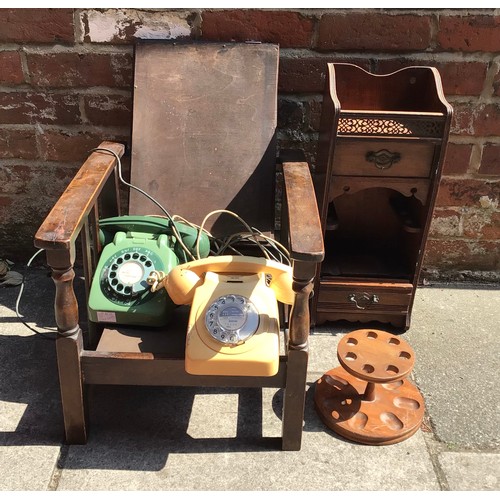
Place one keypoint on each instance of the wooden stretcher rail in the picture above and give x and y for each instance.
(146, 369)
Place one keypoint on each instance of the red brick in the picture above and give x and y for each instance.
(32, 107)
(462, 255)
(469, 33)
(462, 78)
(491, 230)
(487, 119)
(289, 29)
(20, 220)
(458, 78)
(313, 109)
(50, 182)
(109, 110)
(298, 116)
(476, 119)
(490, 161)
(69, 69)
(35, 180)
(291, 114)
(302, 75)
(124, 26)
(18, 144)
(5, 202)
(463, 118)
(467, 192)
(445, 222)
(14, 178)
(496, 84)
(374, 32)
(457, 159)
(36, 25)
(304, 142)
(12, 71)
(307, 74)
(62, 146)
(481, 224)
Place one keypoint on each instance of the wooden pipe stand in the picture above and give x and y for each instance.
(368, 399)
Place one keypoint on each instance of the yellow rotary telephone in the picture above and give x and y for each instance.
(233, 325)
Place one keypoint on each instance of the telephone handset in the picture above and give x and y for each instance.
(134, 247)
(233, 326)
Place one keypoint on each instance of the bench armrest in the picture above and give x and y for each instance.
(63, 223)
(304, 227)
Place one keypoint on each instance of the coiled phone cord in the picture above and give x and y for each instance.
(252, 235)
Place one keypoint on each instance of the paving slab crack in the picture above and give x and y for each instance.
(434, 448)
(58, 469)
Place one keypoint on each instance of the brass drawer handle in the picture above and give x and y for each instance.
(383, 158)
(363, 300)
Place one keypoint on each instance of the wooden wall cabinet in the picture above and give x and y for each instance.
(381, 148)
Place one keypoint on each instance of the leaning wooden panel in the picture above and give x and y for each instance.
(204, 131)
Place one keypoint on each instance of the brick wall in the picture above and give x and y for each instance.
(65, 85)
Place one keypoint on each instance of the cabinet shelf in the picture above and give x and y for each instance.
(367, 262)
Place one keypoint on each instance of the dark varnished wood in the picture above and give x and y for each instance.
(381, 150)
(204, 125)
(305, 238)
(151, 369)
(299, 316)
(65, 220)
(294, 399)
(203, 139)
(66, 305)
(87, 258)
(410, 158)
(414, 89)
(69, 350)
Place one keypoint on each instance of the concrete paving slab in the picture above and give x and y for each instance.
(168, 443)
(471, 471)
(30, 417)
(456, 337)
(161, 438)
(27, 468)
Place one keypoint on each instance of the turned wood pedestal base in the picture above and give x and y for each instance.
(368, 399)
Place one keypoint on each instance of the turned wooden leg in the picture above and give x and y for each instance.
(69, 345)
(298, 356)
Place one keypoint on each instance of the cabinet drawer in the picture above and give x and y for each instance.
(364, 297)
(383, 158)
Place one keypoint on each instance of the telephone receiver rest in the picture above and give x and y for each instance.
(182, 281)
(154, 225)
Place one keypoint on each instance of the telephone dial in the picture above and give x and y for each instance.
(134, 248)
(233, 326)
